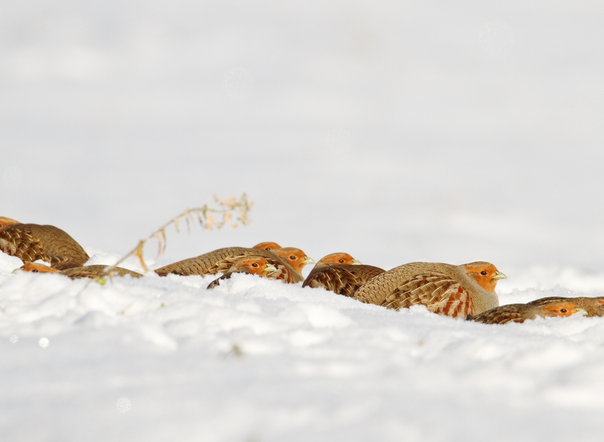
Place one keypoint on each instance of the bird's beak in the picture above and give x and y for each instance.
(356, 262)
(18, 270)
(308, 260)
(270, 268)
(499, 275)
(581, 311)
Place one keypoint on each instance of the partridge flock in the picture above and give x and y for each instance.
(465, 291)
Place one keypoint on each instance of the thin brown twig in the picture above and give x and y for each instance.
(241, 206)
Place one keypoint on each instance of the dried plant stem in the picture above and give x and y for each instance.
(203, 214)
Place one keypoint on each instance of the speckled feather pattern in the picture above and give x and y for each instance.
(442, 288)
(341, 279)
(32, 242)
(507, 313)
(92, 271)
(542, 308)
(97, 270)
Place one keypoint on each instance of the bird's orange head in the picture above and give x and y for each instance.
(339, 258)
(255, 266)
(563, 309)
(294, 257)
(485, 274)
(267, 246)
(37, 268)
(4, 221)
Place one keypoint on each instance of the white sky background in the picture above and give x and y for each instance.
(396, 132)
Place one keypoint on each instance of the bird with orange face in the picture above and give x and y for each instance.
(91, 271)
(251, 265)
(445, 289)
(4, 221)
(338, 258)
(340, 273)
(592, 306)
(545, 308)
(294, 257)
(268, 245)
(331, 260)
(221, 260)
(32, 242)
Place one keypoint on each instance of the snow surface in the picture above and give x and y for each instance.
(395, 131)
(157, 359)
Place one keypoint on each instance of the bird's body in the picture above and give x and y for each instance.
(221, 260)
(32, 242)
(450, 290)
(91, 271)
(344, 279)
(552, 307)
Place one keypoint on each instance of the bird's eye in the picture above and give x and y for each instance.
(255, 264)
(34, 271)
(341, 261)
(563, 310)
(483, 273)
(293, 257)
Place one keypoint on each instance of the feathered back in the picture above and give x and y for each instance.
(341, 279)
(31, 242)
(221, 260)
(443, 288)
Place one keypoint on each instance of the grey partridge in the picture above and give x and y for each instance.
(92, 271)
(32, 242)
(592, 306)
(251, 265)
(551, 307)
(445, 289)
(221, 260)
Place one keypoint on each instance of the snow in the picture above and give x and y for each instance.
(156, 358)
(394, 131)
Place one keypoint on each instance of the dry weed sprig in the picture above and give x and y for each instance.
(223, 208)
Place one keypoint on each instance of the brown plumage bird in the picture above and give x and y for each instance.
(341, 279)
(252, 265)
(551, 307)
(32, 242)
(592, 306)
(294, 257)
(445, 289)
(92, 271)
(333, 259)
(268, 245)
(221, 260)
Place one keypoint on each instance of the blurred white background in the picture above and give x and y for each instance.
(396, 132)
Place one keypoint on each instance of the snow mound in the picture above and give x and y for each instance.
(155, 358)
